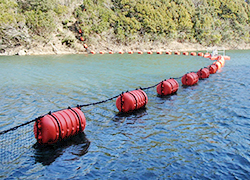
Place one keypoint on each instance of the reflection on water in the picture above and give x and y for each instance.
(201, 132)
(77, 146)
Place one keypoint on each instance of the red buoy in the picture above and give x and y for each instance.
(190, 79)
(203, 73)
(185, 53)
(218, 65)
(85, 46)
(227, 57)
(207, 55)
(149, 52)
(168, 52)
(81, 38)
(131, 52)
(200, 54)
(80, 31)
(214, 58)
(193, 53)
(140, 52)
(132, 100)
(59, 125)
(212, 69)
(167, 87)
(177, 53)
(158, 52)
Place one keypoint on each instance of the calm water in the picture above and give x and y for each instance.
(202, 132)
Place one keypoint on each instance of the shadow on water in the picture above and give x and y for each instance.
(166, 97)
(47, 154)
(134, 115)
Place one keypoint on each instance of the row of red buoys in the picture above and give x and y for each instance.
(62, 124)
(151, 52)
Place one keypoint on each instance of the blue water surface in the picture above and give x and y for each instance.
(202, 132)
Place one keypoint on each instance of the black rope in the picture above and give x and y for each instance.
(134, 98)
(122, 102)
(171, 86)
(60, 132)
(80, 124)
(16, 127)
(99, 102)
(145, 98)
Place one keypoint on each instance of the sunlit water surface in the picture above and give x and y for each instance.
(202, 132)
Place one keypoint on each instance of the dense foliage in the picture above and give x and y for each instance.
(207, 22)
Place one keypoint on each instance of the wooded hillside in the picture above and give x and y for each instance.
(208, 22)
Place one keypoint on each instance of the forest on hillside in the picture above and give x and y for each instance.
(207, 22)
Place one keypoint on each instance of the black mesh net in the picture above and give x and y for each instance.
(16, 142)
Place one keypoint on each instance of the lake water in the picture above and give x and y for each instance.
(202, 132)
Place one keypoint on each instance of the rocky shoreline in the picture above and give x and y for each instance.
(53, 48)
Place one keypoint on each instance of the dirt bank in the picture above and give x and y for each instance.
(54, 46)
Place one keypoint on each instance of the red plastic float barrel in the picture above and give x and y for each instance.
(81, 38)
(226, 57)
(190, 79)
(207, 55)
(59, 125)
(121, 52)
(101, 52)
(200, 54)
(218, 65)
(177, 53)
(203, 73)
(92, 52)
(131, 52)
(149, 52)
(214, 58)
(140, 52)
(212, 69)
(132, 100)
(158, 52)
(80, 31)
(185, 53)
(85, 46)
(193, 53)
(111, 52)
(168, 52)
(167, 87)
(221, 60)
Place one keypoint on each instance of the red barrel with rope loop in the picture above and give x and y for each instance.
(190, 79)
(85, 46)
(149, 52)
(203, 73)
(167, 87)
(185, 53)
(212, 69)
(218, 65)
(131, 101)
(221, 60)
(207, 55)
(81, 38)
(200, 54)
(193, 53)
(59, 125)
